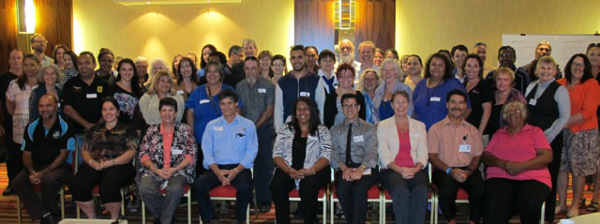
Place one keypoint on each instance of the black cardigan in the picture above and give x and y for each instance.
(330, 108)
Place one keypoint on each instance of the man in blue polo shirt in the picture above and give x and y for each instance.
(230, 146)
(46, 143)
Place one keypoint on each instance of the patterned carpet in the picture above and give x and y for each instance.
(8, 211)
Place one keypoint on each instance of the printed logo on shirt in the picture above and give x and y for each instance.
(99, 89)
(56, 135)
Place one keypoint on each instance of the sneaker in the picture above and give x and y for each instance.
(132, 207)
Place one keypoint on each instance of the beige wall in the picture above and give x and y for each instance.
(163, 31)
(425, 26)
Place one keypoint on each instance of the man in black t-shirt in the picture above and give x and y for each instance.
(82, 96)
(15, 61)
(47, 142)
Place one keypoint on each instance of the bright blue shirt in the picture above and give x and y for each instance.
(226, 143)
(205, 108)
(430, 103)
(371, 113)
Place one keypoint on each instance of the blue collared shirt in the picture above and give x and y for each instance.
(230, 143)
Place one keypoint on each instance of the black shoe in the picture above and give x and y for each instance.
(49, 219)
(8, 191)
(265, 207)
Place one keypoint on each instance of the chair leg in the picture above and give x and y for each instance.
(331, 209)
(543, 213)
(248, 214)
(62, 203)
(19, 215)
(122, 203)
(143, 212)
(189, 206)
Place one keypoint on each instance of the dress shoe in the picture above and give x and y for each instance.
(8, 191)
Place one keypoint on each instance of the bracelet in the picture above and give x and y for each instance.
(448, 170)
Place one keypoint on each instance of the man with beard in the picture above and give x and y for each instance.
(455, 149)
(15, 62)
(543, 49)
(46, 143)
(297, 83)
(39, 45)
(507, 56)
(347, 56)
(258, 95)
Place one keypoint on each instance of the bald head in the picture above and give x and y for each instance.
(47, 107)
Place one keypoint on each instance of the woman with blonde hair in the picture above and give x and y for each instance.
(161, 86)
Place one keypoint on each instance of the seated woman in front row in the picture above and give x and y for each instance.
(107, 151)
(518, 179)
(301, 153)
(168, 156)
(403, 155)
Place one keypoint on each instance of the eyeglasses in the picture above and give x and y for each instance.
(40, 41)
(348, 106)
(578, 65)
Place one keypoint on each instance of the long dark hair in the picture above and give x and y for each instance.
(313, 123)
(479, 61)
(194, 75)
(73, 57)
(135, 87)
(23, 78)
(587, 69)
(212, 49)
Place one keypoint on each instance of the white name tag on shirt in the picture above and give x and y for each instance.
(532, 102)
(464, 148)
(217, 128)
(176, 152)
(435, 99)
(180, 92)
(204, 101)
(262, 90)
(91, 96)
(358, 138)
(305, 94)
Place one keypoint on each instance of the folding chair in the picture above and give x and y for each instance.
(373, 196)
(322, 197)
(187, 194)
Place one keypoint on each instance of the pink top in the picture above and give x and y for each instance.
(167, 142)
(403, 158)
(519, 148)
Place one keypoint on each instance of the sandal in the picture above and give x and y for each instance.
(592, 207)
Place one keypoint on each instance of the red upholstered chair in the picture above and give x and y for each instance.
(187, 189)
(322, 197)
(226, 193)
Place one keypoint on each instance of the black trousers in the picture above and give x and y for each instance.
(282, 184)
(109, 181)
(504, 198)
(51, 184)
(554, 168)
(208, 180)
(353, 196)
(448, 189)
(14, 158)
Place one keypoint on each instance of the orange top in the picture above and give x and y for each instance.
(584, 99)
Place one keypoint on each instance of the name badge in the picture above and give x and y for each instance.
(179, 92)
(91, 96)
(217, 128)
(358, 138)
(262, 90)
(305, 94)
(204, 101)
(532, 102)
(176, 152)
(464, 148)
(434, 99)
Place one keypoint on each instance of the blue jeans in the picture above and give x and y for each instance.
(409, 195)
(263, 164)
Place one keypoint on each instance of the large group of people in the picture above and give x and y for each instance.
(244, 121)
